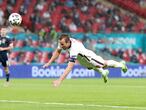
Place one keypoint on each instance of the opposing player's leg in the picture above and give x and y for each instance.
(7, 72)
(7, 83)
(6, 69)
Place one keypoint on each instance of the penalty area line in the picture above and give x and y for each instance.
(73, 104)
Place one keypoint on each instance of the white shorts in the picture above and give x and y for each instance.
(90, 59)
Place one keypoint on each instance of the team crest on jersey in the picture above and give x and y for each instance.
(2, 41)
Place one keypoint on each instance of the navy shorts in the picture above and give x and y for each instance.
(3, 60)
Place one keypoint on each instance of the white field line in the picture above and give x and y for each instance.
(73, 104)
(124, 86)
(132, 86)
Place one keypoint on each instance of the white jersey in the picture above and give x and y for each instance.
(77, 48)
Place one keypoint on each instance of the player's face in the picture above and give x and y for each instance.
(65, 45)
(3, 32)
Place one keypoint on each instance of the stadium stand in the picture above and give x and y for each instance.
(132, 5)
(46, 18)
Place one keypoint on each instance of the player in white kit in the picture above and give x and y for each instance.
(86, 57)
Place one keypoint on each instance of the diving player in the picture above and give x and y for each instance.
(85, 57)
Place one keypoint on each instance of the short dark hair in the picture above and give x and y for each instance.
(64, 36)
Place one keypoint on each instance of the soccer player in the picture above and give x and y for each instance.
(5, 45)
(85, 57)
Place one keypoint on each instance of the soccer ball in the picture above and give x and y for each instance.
(15, 19)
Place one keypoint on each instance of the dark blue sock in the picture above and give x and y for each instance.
(7, 77)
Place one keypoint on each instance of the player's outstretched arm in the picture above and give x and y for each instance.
(57, 82)
(55, 55)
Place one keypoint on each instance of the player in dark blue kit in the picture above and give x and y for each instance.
(6, 44)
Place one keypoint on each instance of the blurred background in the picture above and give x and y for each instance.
(114, 29)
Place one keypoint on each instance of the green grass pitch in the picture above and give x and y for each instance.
(74, 94)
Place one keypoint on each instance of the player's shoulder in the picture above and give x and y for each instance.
(72, 39)
(75, 40)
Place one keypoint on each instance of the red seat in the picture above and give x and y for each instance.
(3, 5)
(19, 43)
(13, 55)
(141, 58)
(95, 27)
(28, 57)
(80, 29)
(17, 6)
(126, 57)
(44, 58)
(35, 43)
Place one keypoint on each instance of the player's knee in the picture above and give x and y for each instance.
(6, 69)
(105, 63)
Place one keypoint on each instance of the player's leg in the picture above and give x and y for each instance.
(4, 62)
(7, 73)
(103, 72)
(6, 69)
(92, 64)
(98, 66)
(84, 61)
(114, 64)
(100, 62)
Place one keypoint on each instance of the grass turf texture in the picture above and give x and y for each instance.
(74, 94)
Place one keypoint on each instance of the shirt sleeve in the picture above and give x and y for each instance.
(73, 55)
(72, 59)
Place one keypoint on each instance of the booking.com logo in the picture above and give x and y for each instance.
(57, 71)
(135, 72)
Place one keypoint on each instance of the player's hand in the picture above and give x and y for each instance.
(57, 83)
(45, 65)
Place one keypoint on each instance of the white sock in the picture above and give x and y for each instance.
(112, 63)
(100, 70)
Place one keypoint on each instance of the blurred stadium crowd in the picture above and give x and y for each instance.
(46, 18)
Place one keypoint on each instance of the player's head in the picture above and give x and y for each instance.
(64, 41)
(3, 32)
